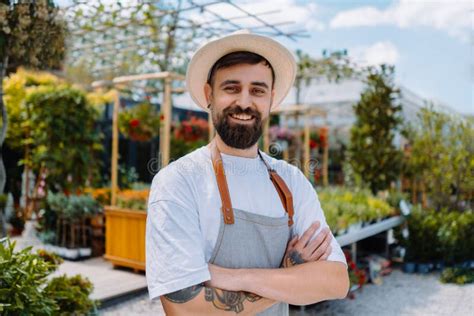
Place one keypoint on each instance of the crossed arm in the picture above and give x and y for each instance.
(305, 278)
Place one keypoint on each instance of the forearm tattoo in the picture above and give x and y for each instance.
(228, 300)
(293, 258)
(221, 299)
(185, 295)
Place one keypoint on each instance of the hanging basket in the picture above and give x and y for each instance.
(138, 137)
(140, 123)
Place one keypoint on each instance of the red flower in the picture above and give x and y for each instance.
(188, 129)
(313, 144)
(352, 265)
(134, 122)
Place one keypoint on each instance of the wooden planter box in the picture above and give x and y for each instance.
(125, 237)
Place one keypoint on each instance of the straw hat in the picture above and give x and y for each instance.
(281, 59)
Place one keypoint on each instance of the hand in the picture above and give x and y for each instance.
(303, 250)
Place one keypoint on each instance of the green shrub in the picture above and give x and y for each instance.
(22, 277)
(343, 207)
(439, 235)
(457, 275)
(71, 294)
(26, 290)
(456, 235)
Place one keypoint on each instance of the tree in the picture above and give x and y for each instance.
(372, 155)
(31, 35)
(53, 125)
(442, 158)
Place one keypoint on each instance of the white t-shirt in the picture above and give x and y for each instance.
(184, 213)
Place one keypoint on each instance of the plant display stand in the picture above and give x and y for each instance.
(72, 238)
(351, 238)
(125, 237)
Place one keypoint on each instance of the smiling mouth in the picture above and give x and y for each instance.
(242, 117)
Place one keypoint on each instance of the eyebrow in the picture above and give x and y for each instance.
(255, 83)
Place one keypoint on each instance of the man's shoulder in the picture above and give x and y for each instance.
(175, 181)
(183, 169)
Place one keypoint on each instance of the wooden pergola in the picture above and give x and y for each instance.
(305, 111)
(165, 130)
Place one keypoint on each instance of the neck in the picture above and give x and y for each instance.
(250, 152)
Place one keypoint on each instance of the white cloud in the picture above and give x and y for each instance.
(451, 16)
(375, 54)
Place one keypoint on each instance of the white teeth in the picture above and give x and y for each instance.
(243, 117)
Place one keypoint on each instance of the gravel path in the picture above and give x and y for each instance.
(400, 294)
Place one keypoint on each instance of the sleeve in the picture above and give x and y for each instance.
(308, 210)
(174, 247)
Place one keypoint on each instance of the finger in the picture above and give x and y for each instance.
(321, 250)
(292, 243)
(317, 242)
(326, 254)
(307, 235)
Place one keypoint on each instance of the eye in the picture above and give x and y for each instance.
(258, 91)
(231, 89)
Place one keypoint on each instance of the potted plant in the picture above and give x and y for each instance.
(357, 277)
(409, 239)
(140, 122)
(65, 219)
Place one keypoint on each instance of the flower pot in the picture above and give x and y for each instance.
(60, 251)
(423, 268)
(71, 253)
(431, 266)
(354, 227)
(460, 265)
(439, 265)
(85, 252)
(409, 267)
(465, 264)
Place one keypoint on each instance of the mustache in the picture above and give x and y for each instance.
(238, 110)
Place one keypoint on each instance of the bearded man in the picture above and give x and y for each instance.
(230, 229)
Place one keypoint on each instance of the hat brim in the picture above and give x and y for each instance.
(280, 58)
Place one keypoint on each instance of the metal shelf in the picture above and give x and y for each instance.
(369, 231)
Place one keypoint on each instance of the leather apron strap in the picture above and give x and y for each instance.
(283, 192)
(218, 165)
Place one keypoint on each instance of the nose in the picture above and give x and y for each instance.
(244, 100)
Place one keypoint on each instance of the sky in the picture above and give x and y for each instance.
(431, 43)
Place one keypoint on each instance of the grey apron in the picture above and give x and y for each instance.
(248, 240)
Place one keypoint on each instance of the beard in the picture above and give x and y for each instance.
(241, 136)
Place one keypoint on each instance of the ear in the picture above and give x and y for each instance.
(208, 92)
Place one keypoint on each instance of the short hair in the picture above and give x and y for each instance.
(237, 58)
